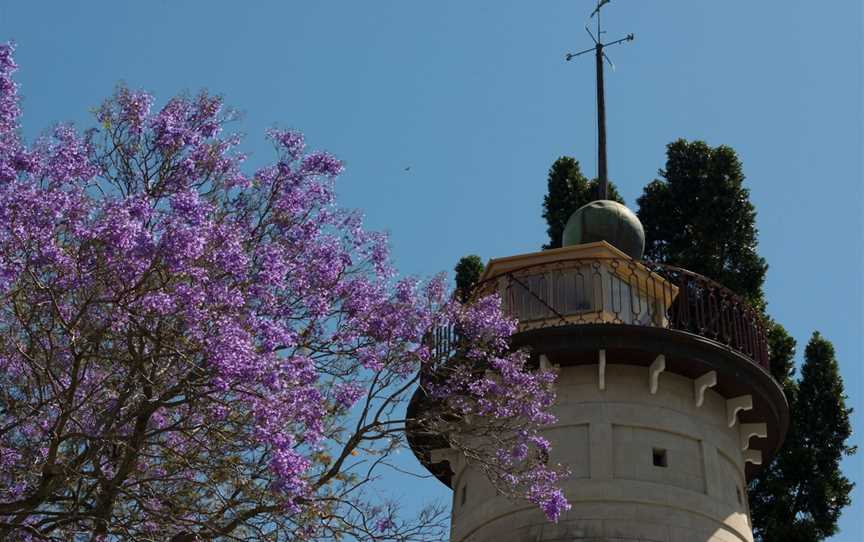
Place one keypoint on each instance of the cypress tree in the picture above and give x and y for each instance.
(698, 216)
(468, 271)
(800, 495)
(567, 190)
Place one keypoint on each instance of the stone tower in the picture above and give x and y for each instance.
(665, 403)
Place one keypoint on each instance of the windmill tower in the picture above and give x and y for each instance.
(666, 405)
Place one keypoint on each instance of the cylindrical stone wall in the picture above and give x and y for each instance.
(645, 467)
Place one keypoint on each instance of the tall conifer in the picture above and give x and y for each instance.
(698, 215)
(800, 495)
(567, 190)
(468, 271)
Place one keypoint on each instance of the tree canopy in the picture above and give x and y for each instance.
(193, 351)
(799, 496)
(567, 190)
(698, 216)
(468, 271)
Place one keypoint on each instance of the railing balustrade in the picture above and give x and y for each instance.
(621, 291)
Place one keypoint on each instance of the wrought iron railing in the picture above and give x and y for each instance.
(621, 291)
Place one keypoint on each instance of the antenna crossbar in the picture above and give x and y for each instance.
(601, 99)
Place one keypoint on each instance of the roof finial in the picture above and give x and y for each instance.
(601, 99)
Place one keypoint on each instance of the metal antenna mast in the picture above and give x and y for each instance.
(601, 99)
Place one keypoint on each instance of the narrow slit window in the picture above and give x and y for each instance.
(464, 494)
(738, 493)
(659, 457)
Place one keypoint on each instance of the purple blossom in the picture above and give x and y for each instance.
(382, 525)
(9, 110)
(134, 108)
(554, 504)
(346, 394)
(320, 163)
(215, 319)
(292, 142)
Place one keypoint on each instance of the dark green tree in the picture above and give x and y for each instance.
(800, 495)
(698, 216)
(468, 271)
(781, 354)
(568, 189)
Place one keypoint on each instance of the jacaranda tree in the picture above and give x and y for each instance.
(190, 351)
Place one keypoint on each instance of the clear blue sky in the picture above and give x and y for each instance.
(476, 98)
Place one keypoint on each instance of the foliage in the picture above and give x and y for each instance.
(781, 354)
(567, 190)
(192, 352)
(468, 271)
(699, 217)
(800, 495)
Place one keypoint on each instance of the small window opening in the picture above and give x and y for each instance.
(738, 494)
(660, 459)
(464, 494)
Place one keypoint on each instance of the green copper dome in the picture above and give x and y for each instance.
(609, 221)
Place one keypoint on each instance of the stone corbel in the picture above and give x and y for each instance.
(735, 405)
(547, 365)
(753, 456)
(602, 370)
(454, 458)
(748, 430)
(657, 367)
(708, 380)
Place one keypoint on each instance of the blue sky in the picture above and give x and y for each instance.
(476, 98)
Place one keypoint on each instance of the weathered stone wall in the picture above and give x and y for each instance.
(616, 442)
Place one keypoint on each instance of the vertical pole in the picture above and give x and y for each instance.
(601, 127)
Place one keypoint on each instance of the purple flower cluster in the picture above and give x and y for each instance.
(167, 317)
(501, 398)
(345, 395)
(11, 155)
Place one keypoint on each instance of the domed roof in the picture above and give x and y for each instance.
(606, 220)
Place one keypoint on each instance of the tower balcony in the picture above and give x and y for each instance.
(592, 305)
(595, 284)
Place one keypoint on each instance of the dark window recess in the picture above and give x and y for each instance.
(659, 456)
(738, 493)
(464, 493)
